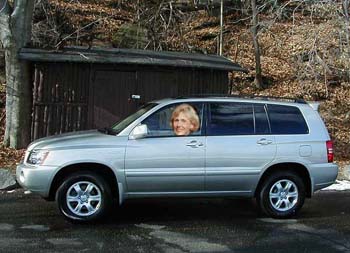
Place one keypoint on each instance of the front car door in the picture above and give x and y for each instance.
(239, 145)
(164, 162)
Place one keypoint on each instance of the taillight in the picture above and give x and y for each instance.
(330, 154)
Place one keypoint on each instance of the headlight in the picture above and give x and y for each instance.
(37, 157)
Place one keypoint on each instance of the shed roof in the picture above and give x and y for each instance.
(130, 56)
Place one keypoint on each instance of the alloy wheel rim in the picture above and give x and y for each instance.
(83, 198)
(283, 195)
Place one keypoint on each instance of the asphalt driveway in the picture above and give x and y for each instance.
(30, 224)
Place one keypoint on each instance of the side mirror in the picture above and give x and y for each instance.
(139, 132)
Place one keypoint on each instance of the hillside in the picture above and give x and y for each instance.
(302, 48)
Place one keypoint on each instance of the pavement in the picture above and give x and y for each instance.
(7, 180)
(31, 224)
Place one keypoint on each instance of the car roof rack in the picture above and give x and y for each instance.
(249, 96)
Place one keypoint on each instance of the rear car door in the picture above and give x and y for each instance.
(239, 145)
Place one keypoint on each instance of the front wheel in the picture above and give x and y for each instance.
(282, 195)
(84, 197)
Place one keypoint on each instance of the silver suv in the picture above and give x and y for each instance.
(278, 151)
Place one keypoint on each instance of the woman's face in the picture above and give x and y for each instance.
(182, 124)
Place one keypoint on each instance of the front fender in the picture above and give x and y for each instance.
(68, 159)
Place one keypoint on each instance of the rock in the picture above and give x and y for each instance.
(347, 172)
(7, 180)
(347, 116)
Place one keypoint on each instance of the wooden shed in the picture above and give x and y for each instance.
(78, 88)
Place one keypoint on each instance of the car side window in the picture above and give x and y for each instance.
(230, 119)
(261, 122)
(180, 119)
(286, 120)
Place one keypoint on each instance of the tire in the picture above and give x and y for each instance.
(281, 195)
(84, 197)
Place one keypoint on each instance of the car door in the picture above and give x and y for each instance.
(238, 144)
(163, 162)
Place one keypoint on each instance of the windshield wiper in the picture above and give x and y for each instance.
(108, 130)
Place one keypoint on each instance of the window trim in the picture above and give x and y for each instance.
(254, 120)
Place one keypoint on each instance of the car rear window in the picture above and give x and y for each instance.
(286, 120)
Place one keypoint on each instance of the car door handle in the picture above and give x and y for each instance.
(264, 141)
(194, 144)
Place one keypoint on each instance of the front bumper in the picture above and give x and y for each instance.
(36, 179)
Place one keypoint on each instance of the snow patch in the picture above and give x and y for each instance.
(149, 226)
(6, 227)
(281, 221)
(65, 242)
(179, 242)
(40, 228)
(339, 185)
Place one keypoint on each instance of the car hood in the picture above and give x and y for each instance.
(81, 139)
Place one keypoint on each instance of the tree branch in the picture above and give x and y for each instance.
(185, 6)
(5, 8)
(77, 31)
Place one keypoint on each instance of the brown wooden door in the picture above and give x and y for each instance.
(111, 94)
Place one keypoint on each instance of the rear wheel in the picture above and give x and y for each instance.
(84, 197)
(282, 195)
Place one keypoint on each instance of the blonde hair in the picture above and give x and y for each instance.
(190, 112)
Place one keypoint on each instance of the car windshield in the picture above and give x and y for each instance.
(119, 126)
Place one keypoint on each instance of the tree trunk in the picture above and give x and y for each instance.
(345, 6)
(258, 72)
(221, 26)
(15, 33)
(18, 101)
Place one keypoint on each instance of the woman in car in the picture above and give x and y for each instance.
(184, 120)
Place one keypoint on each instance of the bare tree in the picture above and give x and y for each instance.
(15, 33)
(258, 72)
(345, 8)
(162, 22)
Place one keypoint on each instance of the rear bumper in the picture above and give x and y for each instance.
(323, 175)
